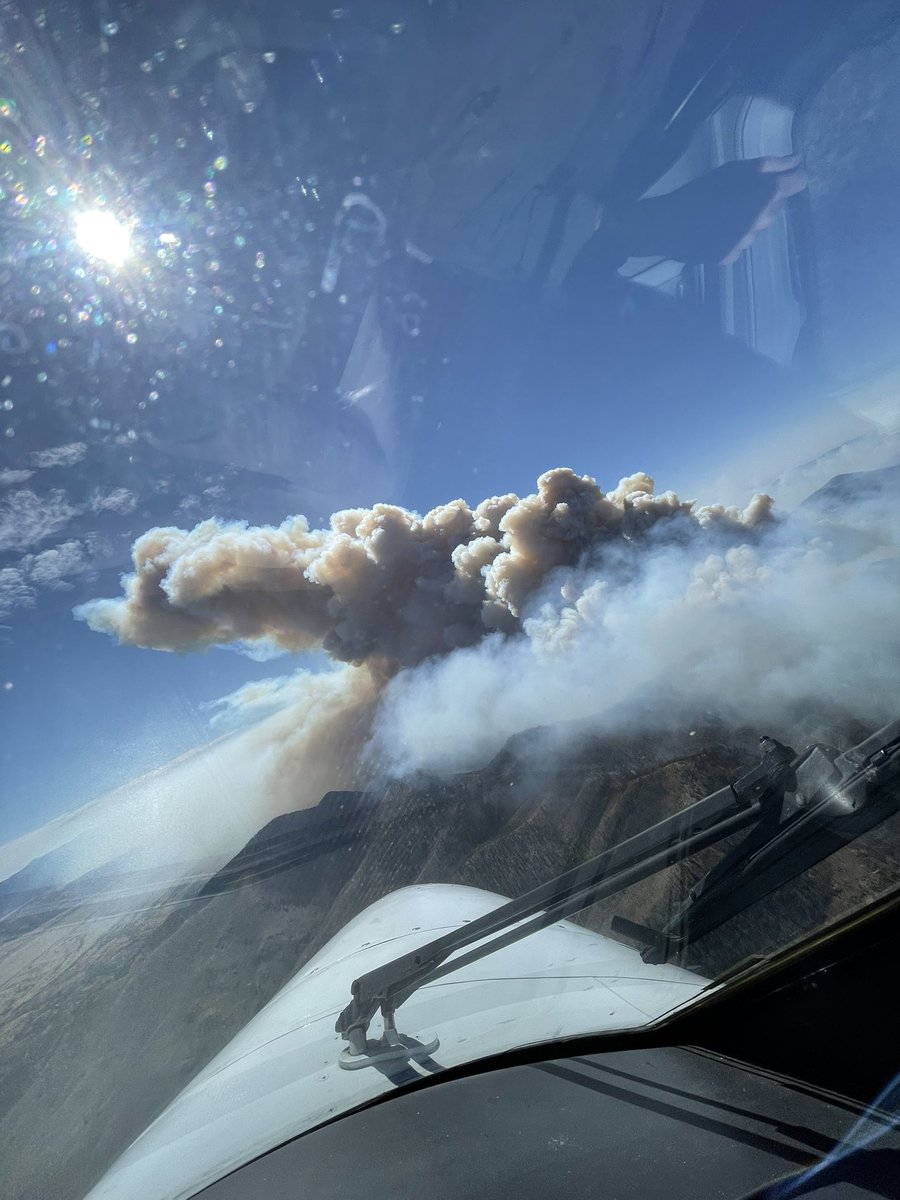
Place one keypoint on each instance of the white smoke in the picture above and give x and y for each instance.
(749, 633)
(465, 626)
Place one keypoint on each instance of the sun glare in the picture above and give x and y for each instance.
(102, 236)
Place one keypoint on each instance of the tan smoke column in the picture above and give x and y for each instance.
(315, 744)
(383, 586)
(454, 630)
(382, 589)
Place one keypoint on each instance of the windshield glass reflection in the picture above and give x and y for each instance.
(436, 443)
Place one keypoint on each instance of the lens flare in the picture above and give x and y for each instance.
(882, 1115)
(102, 236)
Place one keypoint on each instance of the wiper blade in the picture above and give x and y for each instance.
(845, 795)
(835, 799)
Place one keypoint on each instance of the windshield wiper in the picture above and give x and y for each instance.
(799, 809)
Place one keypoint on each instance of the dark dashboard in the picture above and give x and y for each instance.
(678, 1123)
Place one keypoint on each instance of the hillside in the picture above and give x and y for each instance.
(110, 1012)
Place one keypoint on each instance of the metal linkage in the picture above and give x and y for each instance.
(799, 809)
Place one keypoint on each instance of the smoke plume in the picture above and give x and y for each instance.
(385, 587)
(463, 626)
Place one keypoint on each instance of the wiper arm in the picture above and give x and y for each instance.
(727, 811)
(835, 799)
(757, 800)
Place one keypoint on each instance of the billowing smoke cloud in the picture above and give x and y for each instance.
(383, 586)
(464, 626)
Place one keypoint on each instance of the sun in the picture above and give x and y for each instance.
(99, 234)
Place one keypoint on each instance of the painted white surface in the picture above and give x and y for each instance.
(279, 1076)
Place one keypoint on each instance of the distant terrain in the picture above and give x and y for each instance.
(112, 1002)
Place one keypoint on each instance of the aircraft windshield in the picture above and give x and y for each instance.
(437, 441)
